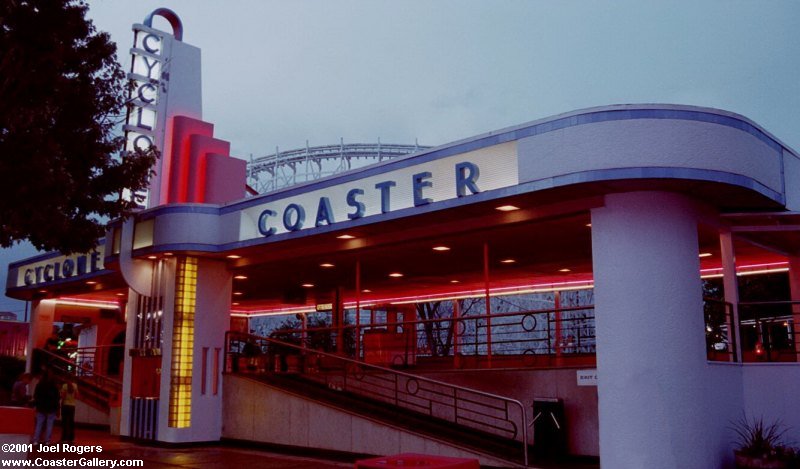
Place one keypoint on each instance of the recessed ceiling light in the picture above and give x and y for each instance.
(346, 236)
(705, 254)
(508, 261)
(233, 256)
(441, 248)
(455, 281)
(307, 285)
(167, 253)
(588, 225)
(120, 294)
(565, 270)
(507, 208)
(91, 282)
(240, 277)
(238, 293)
(395, 275)
(42, 291)
(366, 290)
(327, 265)
(235, 303)
(152, 257)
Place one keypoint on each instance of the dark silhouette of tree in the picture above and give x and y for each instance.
(62, 98)
(439, 334)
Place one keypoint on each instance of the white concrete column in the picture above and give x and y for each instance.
(212, 303)
(651, 356)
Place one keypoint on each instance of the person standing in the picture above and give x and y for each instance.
(45, 399)
(20, 393)
(69, 393)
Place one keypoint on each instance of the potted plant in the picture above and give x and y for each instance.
(760, 445)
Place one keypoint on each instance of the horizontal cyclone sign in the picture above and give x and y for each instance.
(60, 267)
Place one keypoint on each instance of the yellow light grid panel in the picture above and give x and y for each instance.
(180, 393)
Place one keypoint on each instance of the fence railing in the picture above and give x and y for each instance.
(95, 388)
(720, 331)
(769, 331)
(534, 337)
(435, 399)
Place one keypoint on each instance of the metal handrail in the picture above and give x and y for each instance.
(546, 341)
(407, 398)
(719, 326)
(768, 317)
(66, 366)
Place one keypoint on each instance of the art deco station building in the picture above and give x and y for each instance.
(580, 284)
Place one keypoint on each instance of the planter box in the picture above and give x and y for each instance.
(748, 462)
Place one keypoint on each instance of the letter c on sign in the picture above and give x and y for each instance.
(149, 48)
(262, 222)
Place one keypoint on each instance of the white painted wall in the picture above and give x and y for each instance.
(643, 143)
(771, 391)
(254, 411)
(580, 402)
(791, 171)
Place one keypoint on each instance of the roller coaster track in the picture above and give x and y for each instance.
(286, 168)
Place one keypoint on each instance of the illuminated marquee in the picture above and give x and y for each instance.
(407, 187)
(294, 215)
(148, 86)
(60, 268)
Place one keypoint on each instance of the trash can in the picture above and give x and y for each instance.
(549, 428)
(418, 460)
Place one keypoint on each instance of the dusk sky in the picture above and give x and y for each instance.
(280, 73)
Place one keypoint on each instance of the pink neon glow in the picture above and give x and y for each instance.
(750, 266)
(466, 293)
(87, 302)
(480, 292)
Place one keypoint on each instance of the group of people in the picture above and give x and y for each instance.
(48, 399)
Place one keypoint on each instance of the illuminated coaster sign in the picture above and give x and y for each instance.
(60, 268)
(148, 85)
(412, 186)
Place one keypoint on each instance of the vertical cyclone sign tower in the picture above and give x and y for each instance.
(171, 383)
(165, 78)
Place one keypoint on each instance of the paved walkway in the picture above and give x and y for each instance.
(203, 457)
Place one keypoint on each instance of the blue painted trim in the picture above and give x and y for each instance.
(656, 173)
(503, 136)
(171, 209)
(528, 187)
(47, 255)
(201, 247)
(36, 258)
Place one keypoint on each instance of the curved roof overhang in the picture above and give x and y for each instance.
(557, 166)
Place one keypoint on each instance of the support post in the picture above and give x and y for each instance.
(654, 406)
(794, 287)
(358, 310)
(488, 303)
(731, 289)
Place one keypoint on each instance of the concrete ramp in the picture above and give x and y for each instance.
(260, 412)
